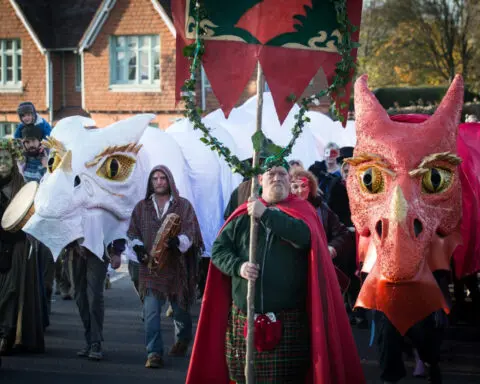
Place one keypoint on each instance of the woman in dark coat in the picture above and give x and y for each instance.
(341, 241)
(21, 288)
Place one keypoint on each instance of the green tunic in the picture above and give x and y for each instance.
(282, 253)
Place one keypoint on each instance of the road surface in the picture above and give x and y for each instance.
(125, 352)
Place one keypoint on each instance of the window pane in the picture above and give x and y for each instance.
(9, 60)
(19, 61)
(132, 73)
(132, 42)
(120, 41)
(9, 44)
(156, 42)
(78, 71)
(120, 66)
(132, 66)
(156, 65)
(19, 74)
(19, 44)
(144, 75)
(143, 42)
(8, 129)
(9, 74)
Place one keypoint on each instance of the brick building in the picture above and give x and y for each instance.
(107, 59)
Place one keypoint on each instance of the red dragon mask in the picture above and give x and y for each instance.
(405, 198)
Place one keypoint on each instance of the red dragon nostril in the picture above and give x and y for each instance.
(379, 228)
(417, 227)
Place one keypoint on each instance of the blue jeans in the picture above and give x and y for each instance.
(152, 309)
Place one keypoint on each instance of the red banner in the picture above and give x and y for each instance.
(291, 39)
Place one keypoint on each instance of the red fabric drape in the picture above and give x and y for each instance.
(229, 65)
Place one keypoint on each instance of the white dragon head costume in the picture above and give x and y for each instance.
(95, 177)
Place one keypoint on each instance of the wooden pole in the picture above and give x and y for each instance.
(250, 355)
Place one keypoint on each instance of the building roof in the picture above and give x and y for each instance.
(166, 6)
(62, 23)
(59, 23)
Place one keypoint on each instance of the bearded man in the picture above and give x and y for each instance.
(302, 332)
(176, 280)
(21, 323)
(36, 156)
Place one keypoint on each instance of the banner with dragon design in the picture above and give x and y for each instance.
(291, 39)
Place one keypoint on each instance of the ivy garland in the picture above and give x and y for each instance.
(343, 72)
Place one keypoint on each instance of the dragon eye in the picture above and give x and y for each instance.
(371, 180)
(116, 168)
(436, 180)
(53, 161)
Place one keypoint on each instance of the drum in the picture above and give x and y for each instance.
(21, 208)
(159, 253)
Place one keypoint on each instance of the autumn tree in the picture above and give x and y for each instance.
(419, 41)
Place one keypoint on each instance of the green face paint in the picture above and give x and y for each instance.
(6, 163)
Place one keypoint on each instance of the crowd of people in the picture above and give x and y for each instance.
(307, 267)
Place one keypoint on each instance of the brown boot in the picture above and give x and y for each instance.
(154, 361)
(179, 349)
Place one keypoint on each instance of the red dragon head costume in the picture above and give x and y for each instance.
(405, 198)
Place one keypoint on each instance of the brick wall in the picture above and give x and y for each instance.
(33, 65)
(129, 17)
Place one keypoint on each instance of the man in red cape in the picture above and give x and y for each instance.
(332, 352)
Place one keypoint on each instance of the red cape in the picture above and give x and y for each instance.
(334, 354)
(466, 257)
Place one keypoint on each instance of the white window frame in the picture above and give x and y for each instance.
(137, 85)
(15, 85)
(206, 87)
(78, 73)
(4, 125)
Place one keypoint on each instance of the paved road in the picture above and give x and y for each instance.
(125, 355)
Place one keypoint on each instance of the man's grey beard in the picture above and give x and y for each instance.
(276, 196)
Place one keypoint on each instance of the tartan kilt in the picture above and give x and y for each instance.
(287, 363)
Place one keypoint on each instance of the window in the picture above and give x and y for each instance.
(135, 61)
(10, 64)
(7, 129)
(205, 82)
(78, 72)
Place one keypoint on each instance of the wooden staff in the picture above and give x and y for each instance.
(250, 355)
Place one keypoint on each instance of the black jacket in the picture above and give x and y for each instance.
(338, 237)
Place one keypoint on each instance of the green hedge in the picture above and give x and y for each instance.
(407, 96)
(468, 109)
